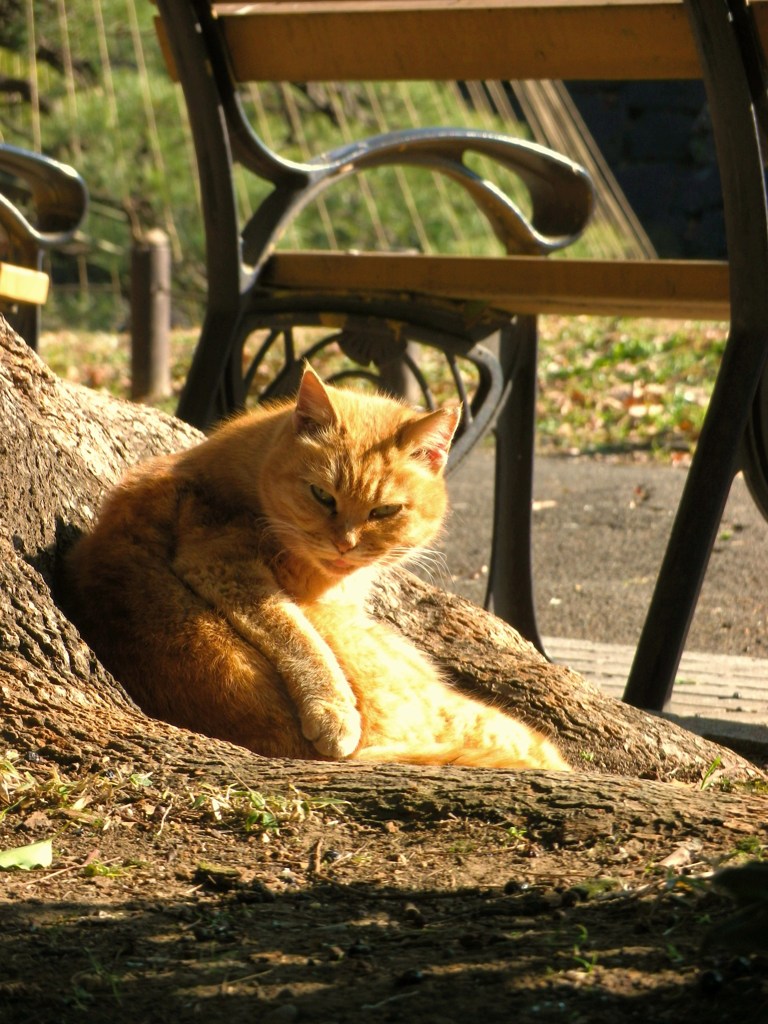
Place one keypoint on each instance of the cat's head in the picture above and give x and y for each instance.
(358, 479)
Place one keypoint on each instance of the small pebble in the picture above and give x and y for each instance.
(413, 976)
(533, 903)
(413, 915)
(281, 1014)
(359, 949)
(740, 966)
(710, 982)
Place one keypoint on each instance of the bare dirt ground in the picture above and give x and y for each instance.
(171, 903)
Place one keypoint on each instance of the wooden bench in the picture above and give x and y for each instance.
(20, 285)
(213, 48)
(58, 198)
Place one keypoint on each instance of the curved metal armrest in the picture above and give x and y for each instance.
(59, 196)
(560, 191)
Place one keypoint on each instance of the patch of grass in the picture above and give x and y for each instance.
(751, 846)
(95, 983)
(98, 869)
(123, 796)
(585, 960)
(709, 775)
(242, 808)
(462, 846)
(97, 800)
(621, 385)
(674, 954)
(593, 888)
(757, 787)
(516, 837)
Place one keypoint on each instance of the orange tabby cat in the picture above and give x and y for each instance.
(224, 586)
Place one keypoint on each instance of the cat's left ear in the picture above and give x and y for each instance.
(313, 404)
(429, 437)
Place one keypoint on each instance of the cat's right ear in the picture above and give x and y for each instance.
(429, 437)
(314, 410)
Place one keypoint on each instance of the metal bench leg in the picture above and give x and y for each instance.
(510, 576)
(694, 532)
(204, 399)
(718, 454)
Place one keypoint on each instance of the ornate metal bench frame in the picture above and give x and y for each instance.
(735, 434)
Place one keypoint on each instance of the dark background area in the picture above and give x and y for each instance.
(657, 140)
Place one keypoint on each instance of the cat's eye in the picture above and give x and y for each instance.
(322, 496)
(384, 511)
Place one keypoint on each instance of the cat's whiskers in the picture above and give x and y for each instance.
(426, 562)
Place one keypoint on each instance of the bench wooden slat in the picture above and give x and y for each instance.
(391, 40)
(678, 289)
(21, 284)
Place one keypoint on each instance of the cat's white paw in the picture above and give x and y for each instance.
(334, 729)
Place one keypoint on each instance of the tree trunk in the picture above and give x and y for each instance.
(62, 446)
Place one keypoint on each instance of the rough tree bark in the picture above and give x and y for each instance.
(61, 446)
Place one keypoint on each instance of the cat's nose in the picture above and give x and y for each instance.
(345, 543)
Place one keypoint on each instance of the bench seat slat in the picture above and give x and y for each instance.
(21, 284)
(678, 289)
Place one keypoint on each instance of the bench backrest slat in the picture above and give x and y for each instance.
(348, 40)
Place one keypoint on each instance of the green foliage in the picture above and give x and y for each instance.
(108, 107)
(706, 782)
(99, 112)
(12, 20)
(24, 858)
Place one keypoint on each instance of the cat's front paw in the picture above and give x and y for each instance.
(334, 729)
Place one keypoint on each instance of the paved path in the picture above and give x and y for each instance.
(600, 529)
